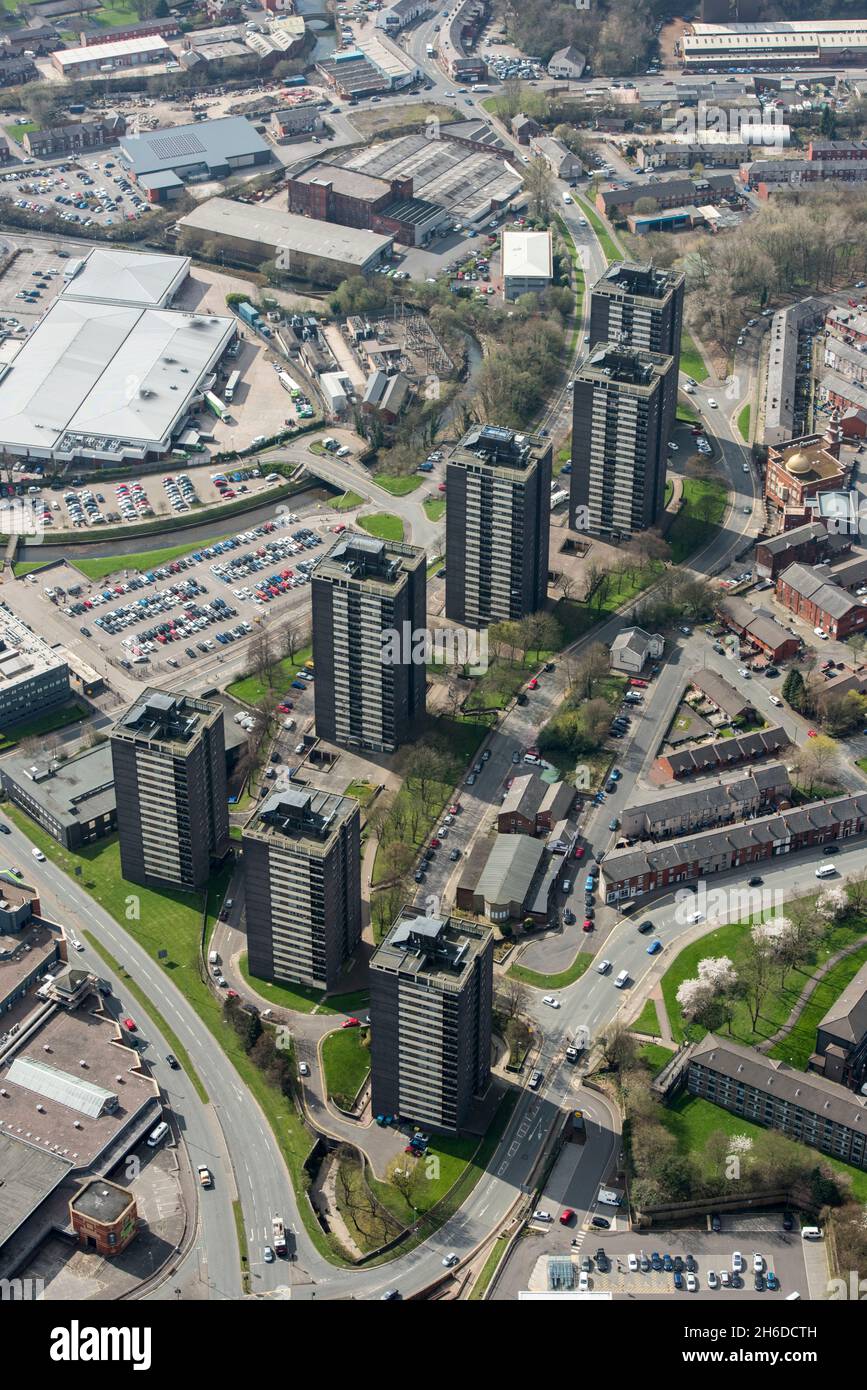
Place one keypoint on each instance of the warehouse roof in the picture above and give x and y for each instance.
(527, 255)
(127, 277)
(211, 143)
(510, 870)
(106, 370)
(152, 45)
(76, 790)
(274, 228)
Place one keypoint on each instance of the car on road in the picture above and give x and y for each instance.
(351, 1023)
(551, 1001)
(303, 1069)
(130, 1025)
(788, 1221)
(694, 917)
(535, 1080)
(568, 916)
(4, 830)
(449, 1261)
(655, 947)
(37, 854)
(613, 823)
(173, 1061)
(268, 1255)
(711, 402)
(567, 1216)
(603, 967)
(540, 1215)
(645, 927)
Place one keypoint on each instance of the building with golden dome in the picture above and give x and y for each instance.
(799, 470)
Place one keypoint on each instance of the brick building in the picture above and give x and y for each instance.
(104, 1217)
(810, 592)
(801, 469)
(681, 812)
(332, 193)
(74, 136)
(759, 630)
(717, 756)
(804, 545)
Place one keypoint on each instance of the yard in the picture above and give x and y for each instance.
(798, 1045)
(577, 617)
(398, 486)
(348, 502)
(744, 422)
(256, 686)
(384, 525)
(691, 360)
(346, 1063)
(702, 510)
(434, 508)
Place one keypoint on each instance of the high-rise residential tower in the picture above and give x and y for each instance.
(638, 306)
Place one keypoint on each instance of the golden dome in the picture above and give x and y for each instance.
(798, 464)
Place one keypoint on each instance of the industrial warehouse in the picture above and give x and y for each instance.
(106, 380)
(306, 248)
(469, 182)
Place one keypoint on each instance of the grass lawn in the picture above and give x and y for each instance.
(116, 13)
(362, 791)
(565, 977)
(609, 246)
(398, 486)
(346, 1061)
(692, 1120)
(384, 525)
(744, 422)
(502, 680)
(697, 522)
(434, 508)
(577, 617)
(647, 1021)
(435, 565)
(172, 922)
(18, 129)
(22, 567)
(655, 1056)
(44, 724)
(732, 940)
(687, 413)
(100, 567)
(563, 456)
(301, 998)
(797, 1046)
(389, 119)
(347, 502)
(691, 360)
(489, 1268)
(253, 688)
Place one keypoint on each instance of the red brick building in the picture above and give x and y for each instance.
(802, 468)
(804, 545)
(810, 593)
(354, 199)
(104, 1217)
(167, 28)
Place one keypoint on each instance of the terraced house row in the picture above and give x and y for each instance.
(633, 872)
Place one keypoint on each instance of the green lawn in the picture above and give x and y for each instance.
(691, 360)
(647, 1021)
(347, 502)
(101, 567)
(489, 1268)
(687, 414)
(43, 724)
(798, 1045)
(577, 617)
(362, 791)
(18, 129)
(609, 246)
(693, 1120)
(733, 940)
(115, 13)
(384, 525)
(253, 688)
(171, 922)
(744, 422)
(560, 981)
(655, 1056)
(22, 567)
(434, 508)
(399, 486)
(697, 522)
(346, 1062)
(669, 489)
(500, 683)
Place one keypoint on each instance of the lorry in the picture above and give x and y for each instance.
(231, 386)
(278, 1235)
(429, 49)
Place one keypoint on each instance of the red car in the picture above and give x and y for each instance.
(586, 925)
(435, 843)
(351, 1023)
(811, 733)
(232, 994)
(533, 684)
(455, 808)
(567, 1216)
(130, 1025)
(579, 851)
(641, 685)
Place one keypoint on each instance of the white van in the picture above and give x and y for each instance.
(810, 1233)
(214, 958)
(158, 1135)
(825, 871)
(622, 980)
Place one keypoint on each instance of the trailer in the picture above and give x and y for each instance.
(215, 405)
(231, 386)
(278, 1235)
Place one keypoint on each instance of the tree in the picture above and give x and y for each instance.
(406, 1174)
(511, 998)
(646, 205)
(793, 688)
(816, 761)
(619, 1047)
(540, 187)
(756, 978)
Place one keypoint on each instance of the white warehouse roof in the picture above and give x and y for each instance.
(110, 372)
(151, 44)
(279, 230)
(126, 277)
(527, 255)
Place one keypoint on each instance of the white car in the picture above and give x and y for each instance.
(673, 447)
(37, 854)
(725, 1278)
(550, 1001)
(775, 700)
(303, 1069)
(541, 1215)
(712, 1281)
(711, 402)
(450, 1260)
(737, 1262)
(603, 967)
(632, 1261)
(758, 1263)
(819, 633)
(745, 468)
(694, 917)
(691, 1283)
(742, 671)
(583, 1282)
(268, 1253)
